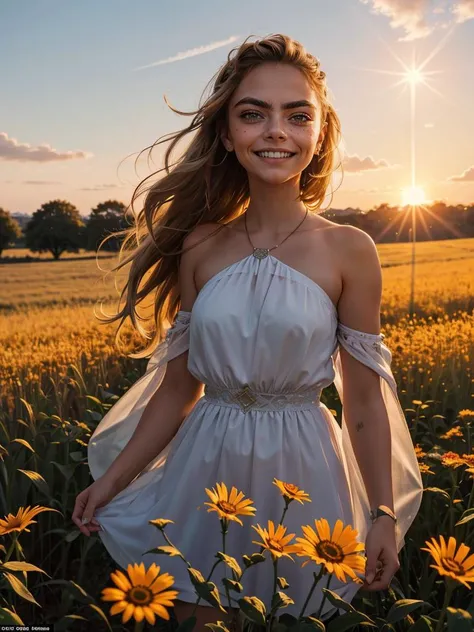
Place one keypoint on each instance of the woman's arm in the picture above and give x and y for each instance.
(174, 399)
(364, 407)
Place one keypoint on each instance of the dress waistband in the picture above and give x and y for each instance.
(247, 399)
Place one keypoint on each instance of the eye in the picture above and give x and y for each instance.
(245, 116)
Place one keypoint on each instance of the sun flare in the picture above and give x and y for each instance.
(414, 196)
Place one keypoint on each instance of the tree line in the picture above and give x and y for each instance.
(58, 227)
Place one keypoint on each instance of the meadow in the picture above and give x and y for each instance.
(60, 372)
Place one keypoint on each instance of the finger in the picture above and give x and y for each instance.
(77, 517)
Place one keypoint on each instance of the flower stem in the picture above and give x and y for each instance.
(316, 580)
(138, 626)
(447, 597)
(12, 546)
(320, 611)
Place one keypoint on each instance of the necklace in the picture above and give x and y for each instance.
(261, 253)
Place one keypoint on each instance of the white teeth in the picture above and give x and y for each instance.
(273, 154)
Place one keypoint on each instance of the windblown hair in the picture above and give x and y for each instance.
(207, 184)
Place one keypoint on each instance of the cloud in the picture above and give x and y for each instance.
(102, 187)
(420, 18)
(192, 52)
(355, 164)
(12, 150)
(407, 14)
(466, 176)
(464, 10)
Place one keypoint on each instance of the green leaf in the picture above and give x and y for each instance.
(350, 620)
(423, 624)
(255, 558)
(20, 588)
(288, 620)
(231, 563)
(101, 613)
(217, 627)
(8, 616)
(172, 551)
(401, 608)
(281, 600)
(232, 584)
(337, 601)
(38, 480)
(196, 576)
(208, 591)
(254, 609)
(465, 519)
(21, 566)
(25, 443)
(282, 583)
(65, 622)
(437, 490)
(459, 620)
(66, 470)
(314, 624)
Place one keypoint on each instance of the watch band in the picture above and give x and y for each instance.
(382, 510)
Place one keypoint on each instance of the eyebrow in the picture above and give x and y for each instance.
(285, 106)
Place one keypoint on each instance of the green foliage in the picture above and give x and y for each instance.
(56, 227)
(9, 229)
(106, 221)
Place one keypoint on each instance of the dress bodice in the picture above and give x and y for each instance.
(263, 323)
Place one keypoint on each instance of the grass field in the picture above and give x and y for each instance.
(57, 362)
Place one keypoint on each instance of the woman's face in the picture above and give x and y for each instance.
(253, 126)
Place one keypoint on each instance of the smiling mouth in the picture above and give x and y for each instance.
(274, 157)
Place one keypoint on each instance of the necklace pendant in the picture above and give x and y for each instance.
(261, 253)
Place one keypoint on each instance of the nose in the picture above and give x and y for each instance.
(275, 128)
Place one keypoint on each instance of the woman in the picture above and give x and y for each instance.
(232, 394)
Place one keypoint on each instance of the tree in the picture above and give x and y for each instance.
(56, 227)
(107, 218)
(9, 229)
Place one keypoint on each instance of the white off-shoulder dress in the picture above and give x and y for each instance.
(261, 323)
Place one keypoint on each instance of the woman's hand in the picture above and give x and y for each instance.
(382, 557)
(96, 495)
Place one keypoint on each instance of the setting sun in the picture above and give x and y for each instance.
(414, 196)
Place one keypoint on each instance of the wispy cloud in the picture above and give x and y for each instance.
(192, 52)
(464, 10)
(356, 164)
(420, 18)
(466, 176)
(13, 151)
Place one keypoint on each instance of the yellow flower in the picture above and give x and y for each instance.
(425, 469)
(229, 506)
(276, 541)
(339, 552)
(291, 492)
(451, 459)
(455, 431)
(419, 452)
(457, 566)
(468, 459)
(466, 414)
(142, 594)
(23, 519)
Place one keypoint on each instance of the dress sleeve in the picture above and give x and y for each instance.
(406, 478)
(117, 426)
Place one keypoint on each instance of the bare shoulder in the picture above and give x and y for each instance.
(359, 306)
(195, 245)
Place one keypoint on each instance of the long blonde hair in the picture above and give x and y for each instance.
(208, 185)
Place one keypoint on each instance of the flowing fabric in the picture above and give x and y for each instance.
(267, 325)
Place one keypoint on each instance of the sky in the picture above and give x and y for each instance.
(83, 86)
